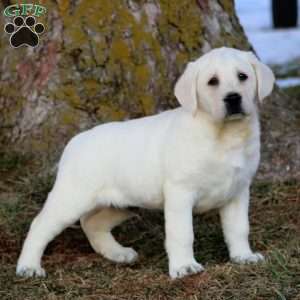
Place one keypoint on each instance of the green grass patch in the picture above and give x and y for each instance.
(293, 91)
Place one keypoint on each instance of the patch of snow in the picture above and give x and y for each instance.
(254, 15)
(288, 82)
(277, 46)
(273, 46)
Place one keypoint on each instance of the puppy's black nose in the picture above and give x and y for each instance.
(233, 103)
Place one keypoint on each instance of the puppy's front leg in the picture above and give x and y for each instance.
(179, 232)
(235, 223)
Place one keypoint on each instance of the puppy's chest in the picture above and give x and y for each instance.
(225, 176)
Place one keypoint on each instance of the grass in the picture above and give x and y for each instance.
(76, 272)
(290, 69)
(293, 91)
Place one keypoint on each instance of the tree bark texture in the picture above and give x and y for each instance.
(107, 60)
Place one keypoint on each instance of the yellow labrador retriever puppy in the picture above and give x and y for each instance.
(200, 156)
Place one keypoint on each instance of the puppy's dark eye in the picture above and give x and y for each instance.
(213, 81)
(242, 76)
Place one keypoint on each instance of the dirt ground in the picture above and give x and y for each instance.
(76, 272)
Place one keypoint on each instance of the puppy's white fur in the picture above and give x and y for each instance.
(192, 158)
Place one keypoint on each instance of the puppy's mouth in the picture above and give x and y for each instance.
(235, 116)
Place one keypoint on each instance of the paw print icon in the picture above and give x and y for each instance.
(24, 31)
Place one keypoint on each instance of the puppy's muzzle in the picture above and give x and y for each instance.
(233, 103)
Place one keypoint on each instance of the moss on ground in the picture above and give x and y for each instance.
(76, 272)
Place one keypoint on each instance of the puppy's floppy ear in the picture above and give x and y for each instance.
(264, 76)
(186, 88)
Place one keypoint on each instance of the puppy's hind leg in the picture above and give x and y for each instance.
(98, 224)
(62, 208)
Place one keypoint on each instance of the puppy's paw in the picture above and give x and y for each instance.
(30, 271)
(124, 255)
(248, 258)
(185, 269)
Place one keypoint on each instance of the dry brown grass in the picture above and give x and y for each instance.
(76, 272)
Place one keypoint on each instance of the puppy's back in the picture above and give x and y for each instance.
(120, 154)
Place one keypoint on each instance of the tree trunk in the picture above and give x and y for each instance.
(107, 60)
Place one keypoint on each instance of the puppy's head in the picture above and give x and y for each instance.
(224, 83)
